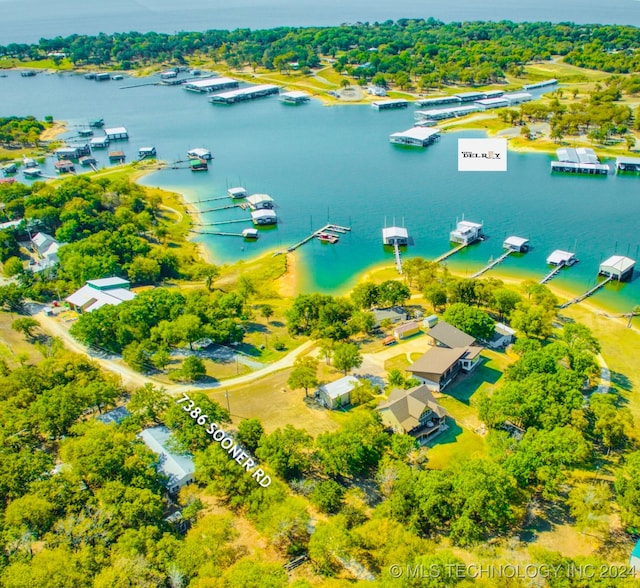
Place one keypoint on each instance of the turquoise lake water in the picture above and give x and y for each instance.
(335, 164)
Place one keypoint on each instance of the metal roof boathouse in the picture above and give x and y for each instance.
(582, 160)
(244, 94)
(211, 85)
(631, 164)
(416, 137)
(294, 97)
(617, 266)
(116, 133)
(389, 104)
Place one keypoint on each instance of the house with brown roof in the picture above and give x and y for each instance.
(446, 335)
(439, 366)
(415, 412)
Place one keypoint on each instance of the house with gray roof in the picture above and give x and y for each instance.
(440, 366)
(445, 335)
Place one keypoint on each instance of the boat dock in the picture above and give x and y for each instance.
(553, 273)
(493, 264)
(226, 207)
(226, 222)
(213, 199)
(450, 253)
(329, 227)
(587, 293)
(222, 234)
(396, 252)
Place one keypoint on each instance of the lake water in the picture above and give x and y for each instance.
(335, 164)
(27, 22)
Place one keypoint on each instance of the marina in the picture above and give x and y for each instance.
(323, 146)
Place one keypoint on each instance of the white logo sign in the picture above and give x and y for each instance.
(482, 155)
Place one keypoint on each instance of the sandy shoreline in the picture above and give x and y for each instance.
(54, 131)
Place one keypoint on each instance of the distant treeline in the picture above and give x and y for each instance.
(468, 52)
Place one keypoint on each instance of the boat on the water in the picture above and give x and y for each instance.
(328, 238)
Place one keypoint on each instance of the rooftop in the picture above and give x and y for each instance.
(174, 465)
(437, 360)
(395, 232)
(419, 133)
(619, 262)
(116, 131)
(340, 387)
(408, 405)
(560, 256)
(450, 336)
(108, 283)
(210, 82)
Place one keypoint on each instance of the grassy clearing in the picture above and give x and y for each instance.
(399, 362)
(13, 345)
(455, 445)
(271, 401)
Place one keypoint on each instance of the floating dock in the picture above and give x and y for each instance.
(582, 160)
(415, 137)
(329, 227)
(211, 85)
(294, 97)
(389, 104)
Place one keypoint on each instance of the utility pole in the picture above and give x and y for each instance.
(226, 395)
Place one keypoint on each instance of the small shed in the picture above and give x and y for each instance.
(406, 330)
(517, 244)
(338, 393)
(560, 257)
(618, 267)
(395, 236)
(503, 336)
(430, 321)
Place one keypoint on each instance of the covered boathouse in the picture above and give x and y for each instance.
(560, 257)
(517, 244)
(116, 134)
(389, 104)
(211, 85)
(628, 164)
(617, 266)
(466, 232)
(264, 216)
(244, 94)
(395, 236)
(416, 137)
(582, 160)
(294, 97)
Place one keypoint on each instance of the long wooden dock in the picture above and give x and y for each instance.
(226, 222)
(493, 264)
(222, 234)
(227, 207)
(396, 252)
(449, 253)
(329, 227)
(553, 273)
(587, 293)
(212, 199)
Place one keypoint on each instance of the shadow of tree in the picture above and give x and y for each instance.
(620, 381)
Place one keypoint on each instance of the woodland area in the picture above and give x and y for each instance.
(438, 53)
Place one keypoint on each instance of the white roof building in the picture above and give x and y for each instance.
(179, 468)
(416, 136)
(519, 244)
(211, 84)
(264, 216)
(237, 192)
(561, 257)
(466, 232)
(617, 266)
(259, 201)
(391, 235)
(337, 393)
(97, 293)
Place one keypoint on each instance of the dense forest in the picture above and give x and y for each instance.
(467, 52)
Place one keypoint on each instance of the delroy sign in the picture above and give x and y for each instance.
(482, 155)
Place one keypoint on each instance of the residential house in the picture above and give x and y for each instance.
(414, 412)
(46, 249)
(394, 314)
(178, 467)
(446, 335)
(338, 393)
(96, 293)
(439, 366)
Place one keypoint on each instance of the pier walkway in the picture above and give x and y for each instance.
(493, 264)
(222, 234)
(552, 274)
(226, 207)
(329, 227)
(449, 253)
(587, 293)
(396, 252)
(226, 222)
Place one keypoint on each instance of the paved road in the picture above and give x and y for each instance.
(129, 377)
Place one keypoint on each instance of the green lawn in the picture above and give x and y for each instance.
(454, 445)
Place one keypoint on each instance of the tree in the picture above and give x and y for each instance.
(590, 505)
(396, 378)
(612, 423)
(505, 301)
(394, 292)
(532, 320)
(250, 431)
(361, 322)
(25, 326)
(346, 357)
(471, 320)
(627, 487)
(192, 369)
(365, 295)
(12, 267)
(304, 374)
(266, 310)
(207, 272)
(149, 402)
(327, 496)
(287, 451)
